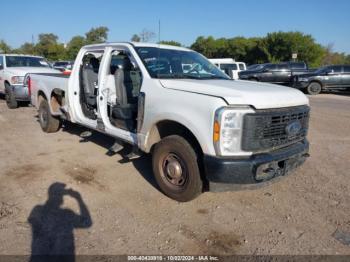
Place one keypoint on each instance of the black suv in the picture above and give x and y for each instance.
(274, 73)
(328, 77)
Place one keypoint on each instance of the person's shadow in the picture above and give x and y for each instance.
(52, 226)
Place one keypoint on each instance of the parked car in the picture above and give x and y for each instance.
(229, 66)
(326, 78)
(204, 130)
(13, 68)
(274, 73)
(63, 65)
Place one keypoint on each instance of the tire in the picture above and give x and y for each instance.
(314, 88)
(48, 123)
(173, 154)
(10, 98)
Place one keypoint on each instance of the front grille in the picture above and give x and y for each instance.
(267, 129)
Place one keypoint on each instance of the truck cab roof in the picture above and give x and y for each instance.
(137, 44)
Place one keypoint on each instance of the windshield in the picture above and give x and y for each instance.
(228, 67)
(61, 63)
(25, 61)
(321, 70)
(256, 67)
(168, 63)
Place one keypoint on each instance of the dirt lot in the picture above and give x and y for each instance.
(126, 214)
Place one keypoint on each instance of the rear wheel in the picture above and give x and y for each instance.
(314, 88)
(176, 169)
(10, 97)
(48, 123)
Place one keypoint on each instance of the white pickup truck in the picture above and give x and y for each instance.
(13, 68)
(204, 130)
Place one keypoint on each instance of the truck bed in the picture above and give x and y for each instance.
(47, 83)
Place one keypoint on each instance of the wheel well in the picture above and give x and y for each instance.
(7, 82)
(166, 128)
(41, 96)
(57, 99)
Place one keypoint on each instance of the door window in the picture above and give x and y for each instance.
(282, 67)
(241, 67)
(335, 69)
(270, 67)
(347, 69)
(1, 62)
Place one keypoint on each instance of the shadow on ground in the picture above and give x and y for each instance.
(53, 226)
(143, 164)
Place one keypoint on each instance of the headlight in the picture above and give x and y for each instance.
(17, 80)
(228, 127)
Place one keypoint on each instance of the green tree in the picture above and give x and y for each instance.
(171, 42)
(206, 46)
(281, 46)
(56, 52)
(4, 48)
(46, 41)
(97, 35)
(135, 38)
(74, 46)
(27, 49)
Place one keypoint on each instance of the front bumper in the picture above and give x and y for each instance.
(21, 92)
(226, 174)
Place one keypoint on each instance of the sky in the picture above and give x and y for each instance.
(328, 21)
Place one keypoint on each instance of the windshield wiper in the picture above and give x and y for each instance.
(176, 76)
(214, 77)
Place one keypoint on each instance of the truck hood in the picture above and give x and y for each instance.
(239, 92)
(22, 71)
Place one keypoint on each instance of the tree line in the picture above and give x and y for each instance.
(274, 47)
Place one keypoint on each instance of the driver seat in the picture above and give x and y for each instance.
(90, 78)
(125, 111)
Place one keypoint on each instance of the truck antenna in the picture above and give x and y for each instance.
(159, 31)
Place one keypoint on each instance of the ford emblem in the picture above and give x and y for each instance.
(293, 128)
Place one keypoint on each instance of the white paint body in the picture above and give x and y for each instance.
(192, 103)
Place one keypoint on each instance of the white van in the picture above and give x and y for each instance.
(229, 66)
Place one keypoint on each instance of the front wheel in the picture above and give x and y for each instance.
(48, 123)
(314, 88)
(176, 170)
(11, 101)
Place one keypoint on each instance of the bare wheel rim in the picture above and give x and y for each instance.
(174, 171)
(315, 88)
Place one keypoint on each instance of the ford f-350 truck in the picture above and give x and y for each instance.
(204, 130)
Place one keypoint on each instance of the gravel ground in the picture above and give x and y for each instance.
(124, 213)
